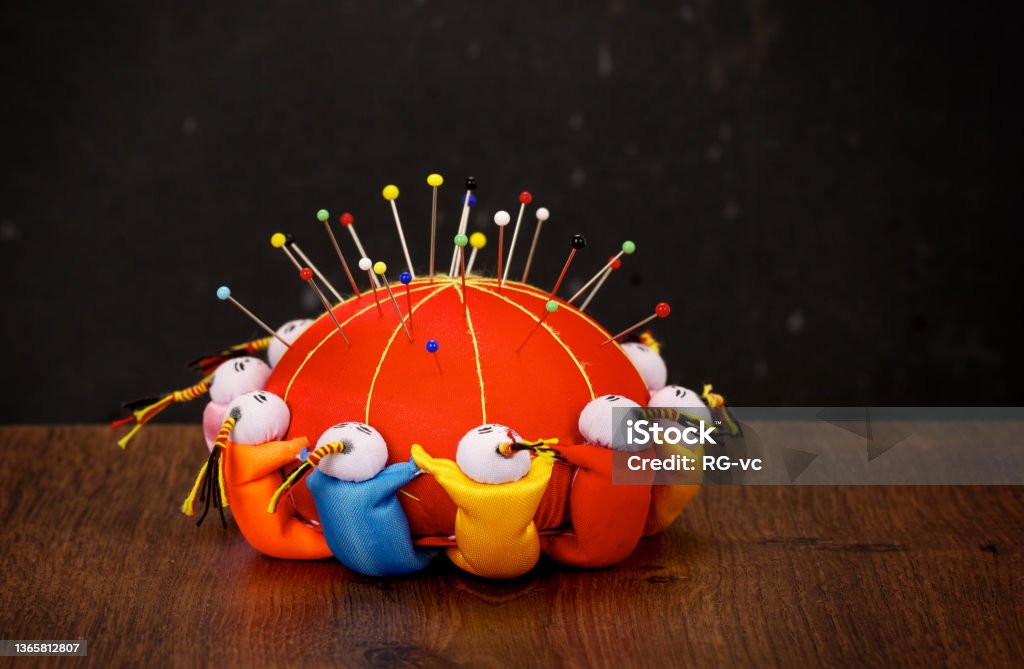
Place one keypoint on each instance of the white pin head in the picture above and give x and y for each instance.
(543, 214)
(484, 455)
(259, 417)
(289, 332)
(237, 376)
(502, 218)
(650, 365)
(601, 425)
(364, 456)
(365, 264)
(678, 397)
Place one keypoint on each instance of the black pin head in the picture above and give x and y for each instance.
(470, 183)
(579, 242)
(289, 239)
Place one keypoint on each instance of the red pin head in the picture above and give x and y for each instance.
(616, 263)
(347, 219)
(306, 274)
(662, 310)
(525, 197)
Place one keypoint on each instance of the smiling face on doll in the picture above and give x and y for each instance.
(364, 456)
(599, 422)
(484, 455)
(238, 376)
(259, 417)
(678, 397)
(289, 332)
(650, 365)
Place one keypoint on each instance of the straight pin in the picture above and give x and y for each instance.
(525, 198)
(280, 241)
(224, 293)
(477, 240)
(432, 347)
(460, 244)
(434, 181)
(406, 278)
(607, 273)
(627, 248)
(366, 265)
(661, 310)
(310, 265)
(379, 268)
(349, 221)
(549, 308)
(306, 274)
(324, 217)
(542, 215)
(578, 242)
(390, 193)
(501, 219)
(467, 202)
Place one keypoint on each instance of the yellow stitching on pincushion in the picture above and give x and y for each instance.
(558, 340)
(391, 340)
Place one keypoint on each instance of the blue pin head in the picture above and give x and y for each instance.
(432, 346)
(405, 277)
(472, 199)
(223, 293)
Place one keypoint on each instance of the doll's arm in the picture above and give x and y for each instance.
(439, 467)
(395, 476)
(254, 462)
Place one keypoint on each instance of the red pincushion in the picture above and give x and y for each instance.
(395, 386)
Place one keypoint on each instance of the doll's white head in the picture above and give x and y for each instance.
(259, 417)
(484, 455)
(289, 332)
(599, 422)
(650, 365)
(678, 397)
(364, 456)
(237, 376)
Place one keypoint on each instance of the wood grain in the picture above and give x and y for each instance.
(94, 547)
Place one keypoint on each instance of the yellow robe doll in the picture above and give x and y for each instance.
(494, 532)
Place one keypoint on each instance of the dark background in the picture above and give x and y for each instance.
(828, 194)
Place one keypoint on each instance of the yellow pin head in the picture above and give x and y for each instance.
(434, 180)
(277, 240)
(379, 267)
(478, 240)
(390, 192)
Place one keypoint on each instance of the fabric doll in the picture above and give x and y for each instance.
(497, 490)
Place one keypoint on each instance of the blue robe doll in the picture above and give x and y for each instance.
(365, 525)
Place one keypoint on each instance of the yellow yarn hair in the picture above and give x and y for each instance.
(716, 401)
(188, 507)
(213, 360)
(151, 411)
(314, 458)
(648, 340)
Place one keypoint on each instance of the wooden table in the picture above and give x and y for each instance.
(96, 548)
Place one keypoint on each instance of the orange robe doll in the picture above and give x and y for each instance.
(607, 519)
(252, 474)
(245, 469)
